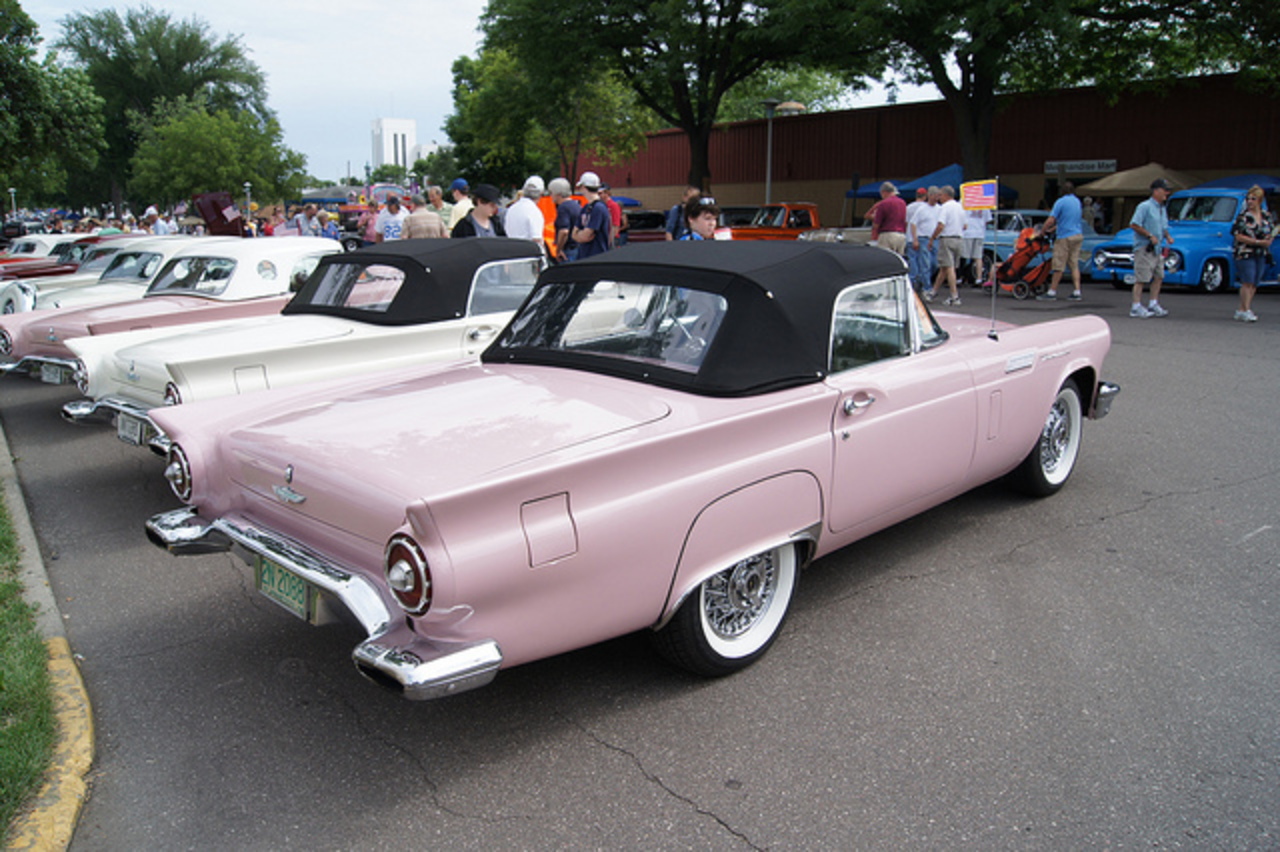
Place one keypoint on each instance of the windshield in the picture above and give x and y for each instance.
(97, 260)
(135, 266)
(1202, 208)
(665, 326)
(772, 217)
(203, 276)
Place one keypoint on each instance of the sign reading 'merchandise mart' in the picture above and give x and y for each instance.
(1079, 167)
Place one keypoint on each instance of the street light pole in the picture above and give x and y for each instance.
(770, 105)
(248, 204)
(13, 201)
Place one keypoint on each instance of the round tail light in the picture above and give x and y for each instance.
(407, 574)
(178, 472)
(172, 396)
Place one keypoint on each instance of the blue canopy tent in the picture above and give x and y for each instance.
(1269, 183)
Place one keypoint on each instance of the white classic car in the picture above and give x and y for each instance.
(127, 276)
(385, 306)
(659, 440)
(205, 282)
(91, 257)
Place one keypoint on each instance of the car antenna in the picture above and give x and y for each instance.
(992, 334)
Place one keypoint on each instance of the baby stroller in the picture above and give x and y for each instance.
(1019, 273)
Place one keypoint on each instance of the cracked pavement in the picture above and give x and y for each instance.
(1097, 669)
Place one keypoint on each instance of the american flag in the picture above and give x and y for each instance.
(978, 195)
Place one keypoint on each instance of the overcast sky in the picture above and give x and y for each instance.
(332, 66)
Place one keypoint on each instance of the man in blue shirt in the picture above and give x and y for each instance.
(592, 231)
(1150, 224)
(1066, 223)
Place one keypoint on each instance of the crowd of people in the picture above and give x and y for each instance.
(572, 221)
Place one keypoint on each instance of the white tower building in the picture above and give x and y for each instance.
(393, 141)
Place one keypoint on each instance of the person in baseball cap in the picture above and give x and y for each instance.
(589, 180)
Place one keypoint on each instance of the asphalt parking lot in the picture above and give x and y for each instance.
(1101, 669)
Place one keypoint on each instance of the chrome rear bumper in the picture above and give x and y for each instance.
(394, 656)
(35, 364)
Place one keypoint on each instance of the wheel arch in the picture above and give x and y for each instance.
(783, 508)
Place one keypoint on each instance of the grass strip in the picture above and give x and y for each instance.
(28, 728)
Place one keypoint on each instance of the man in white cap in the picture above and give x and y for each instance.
(593, 227)
(524, 218)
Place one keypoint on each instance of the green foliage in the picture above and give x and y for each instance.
(439, 168)
(145, 57)
(27, 724)
(679, 57)
(818, 89)
(192, 149)
(50, 117)
(389, 173)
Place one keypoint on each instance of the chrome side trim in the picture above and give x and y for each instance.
(421, 669)
(1107, 393)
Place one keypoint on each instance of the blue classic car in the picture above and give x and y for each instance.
(1200, 221)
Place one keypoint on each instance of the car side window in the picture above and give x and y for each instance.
(502, 286)
(353, 285)
(871, 323)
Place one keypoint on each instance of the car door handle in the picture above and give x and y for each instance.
(484, 332)
(853, 404)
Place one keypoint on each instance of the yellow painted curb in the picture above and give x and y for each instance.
(50, 820)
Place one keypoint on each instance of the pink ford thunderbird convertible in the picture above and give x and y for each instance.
(660, 439)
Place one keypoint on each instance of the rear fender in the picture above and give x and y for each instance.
(753, 519)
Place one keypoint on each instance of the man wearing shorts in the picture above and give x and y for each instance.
(1150, 223)
(1066, 223)
(948, 237)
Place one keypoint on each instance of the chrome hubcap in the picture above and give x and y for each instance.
(1056, 436)
(735, 599)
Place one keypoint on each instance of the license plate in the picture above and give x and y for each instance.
(285, 588)
(130, 429)
(52, 374)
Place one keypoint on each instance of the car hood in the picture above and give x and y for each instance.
(428, 435)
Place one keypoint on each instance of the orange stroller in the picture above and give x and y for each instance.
(1020, 273)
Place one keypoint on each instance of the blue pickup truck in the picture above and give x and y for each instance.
(1200, 221)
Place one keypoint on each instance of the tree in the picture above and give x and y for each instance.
(509, 122)
(147, 57)
(192, 150)
(818, 89)
(389, 173)
(680, 58)
(50, 118)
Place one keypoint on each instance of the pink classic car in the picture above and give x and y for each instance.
(659, 440)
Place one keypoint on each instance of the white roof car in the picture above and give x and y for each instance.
(206, 282)
(382, 307)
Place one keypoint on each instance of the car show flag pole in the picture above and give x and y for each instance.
(985, 195)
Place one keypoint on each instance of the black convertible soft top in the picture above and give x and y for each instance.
(438, 276)
(776, 331)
